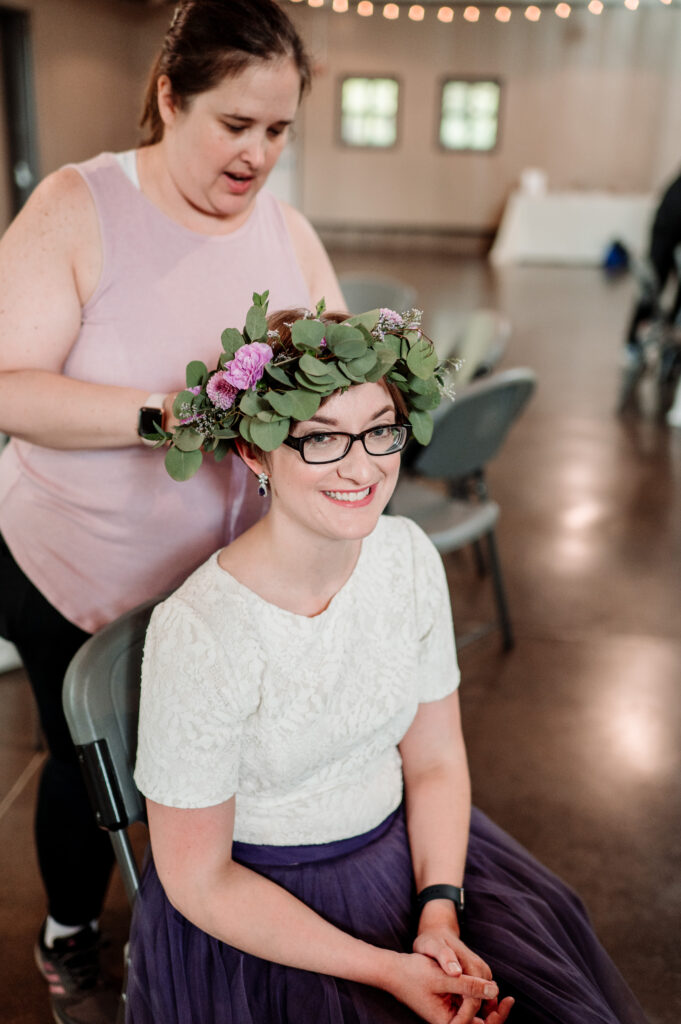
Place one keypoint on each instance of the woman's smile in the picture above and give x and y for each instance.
(356, 499)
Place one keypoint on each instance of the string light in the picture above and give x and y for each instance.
(315, 3)
(503, 14)
(596, 7)
(471, 14)
(416, 12)
(564, 10)
(532, 13)
(365, 8)
(665, 1)
(445, 15)
(340, 6)
(631, 5)
(391, 12)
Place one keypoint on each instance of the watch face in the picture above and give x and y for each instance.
(149, 421)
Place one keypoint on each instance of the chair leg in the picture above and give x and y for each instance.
(479, 559)
(499, 592)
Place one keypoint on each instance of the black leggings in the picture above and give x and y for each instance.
(75, 856)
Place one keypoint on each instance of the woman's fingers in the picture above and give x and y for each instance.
(500, 1012)
(440, 951)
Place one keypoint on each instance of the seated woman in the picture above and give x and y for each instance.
(300, 741)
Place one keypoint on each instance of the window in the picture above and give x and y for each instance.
(469, 118)
(369, 112)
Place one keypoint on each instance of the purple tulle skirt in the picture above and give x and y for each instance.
(530, 928)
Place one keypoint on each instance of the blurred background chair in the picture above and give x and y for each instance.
(480, 344)
(375, 291)
(443, 486)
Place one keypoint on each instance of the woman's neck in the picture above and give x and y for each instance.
(158, 185)
(301, 575)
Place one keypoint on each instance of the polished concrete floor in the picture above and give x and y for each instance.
(574, 736)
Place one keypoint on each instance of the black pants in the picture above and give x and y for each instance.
(75, 856)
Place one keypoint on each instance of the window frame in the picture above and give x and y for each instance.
(469, 80)
(367, 148)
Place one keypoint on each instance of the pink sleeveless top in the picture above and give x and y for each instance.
(100, 531)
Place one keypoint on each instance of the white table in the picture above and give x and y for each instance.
(571, 227)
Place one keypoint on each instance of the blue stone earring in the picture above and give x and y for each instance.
(263, 481)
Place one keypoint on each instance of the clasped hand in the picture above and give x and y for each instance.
(471, 997)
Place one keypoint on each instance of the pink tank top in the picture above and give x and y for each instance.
(100, 531)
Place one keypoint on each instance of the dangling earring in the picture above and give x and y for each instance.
(263, 481)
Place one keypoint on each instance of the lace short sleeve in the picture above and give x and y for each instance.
(191, 712)
(438, 667)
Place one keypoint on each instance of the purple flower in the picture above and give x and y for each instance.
(389, 318)
(221, 392)
(248, 365)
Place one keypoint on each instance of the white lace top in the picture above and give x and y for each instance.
(299, 717)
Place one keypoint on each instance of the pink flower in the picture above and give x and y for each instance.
(248, 365)
(221, 392)
(390, 318)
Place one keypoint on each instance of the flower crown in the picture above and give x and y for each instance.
(256, 390)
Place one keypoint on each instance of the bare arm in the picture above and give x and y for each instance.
(438, 802)
(50, 262)
(192, 853)
(313, 260)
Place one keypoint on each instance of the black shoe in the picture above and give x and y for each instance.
(71, 969)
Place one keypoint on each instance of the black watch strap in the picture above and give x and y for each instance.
(441, 892)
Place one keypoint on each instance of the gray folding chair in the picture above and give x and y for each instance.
(375, 291)
(101, 703)
(443, 485)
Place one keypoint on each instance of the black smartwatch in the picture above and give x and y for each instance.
(150, 417)
(442, 892)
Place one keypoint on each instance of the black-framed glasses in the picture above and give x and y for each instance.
(332, 447)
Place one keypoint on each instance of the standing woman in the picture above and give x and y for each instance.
(115, 273)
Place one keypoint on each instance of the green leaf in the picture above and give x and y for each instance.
(182, 465)
(394, 344)
(276, 373)
(320, 385)
(245, 428)
(304, 404)
(321, 306)
(429, 401)
(422, 359)
(261, 300)
(345, 342)
(196, 373)
(269, 436)
(385, 358)
(368, 319)
(311, 366)
(256, 323)
(231, 341)
(223, 448)
(226, 432)
(422, 426)
(251, 403)
(364, 363)
(307, 333)
(187, 439)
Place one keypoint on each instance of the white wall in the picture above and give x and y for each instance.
(592, 100)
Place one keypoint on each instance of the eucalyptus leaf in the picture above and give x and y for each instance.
(364, 363)
(256, 323)
(245, 429)
(368, 319)
(269, 436)
(269, 416)
(278, 374)
(422, 359)
(231, 341)
(305, 404)
(311, 366)
(429, 401)
(422, 426)
(196, 373)
(225, 432)
(261, 300)
(393, 343)
(321, 385)
(281, 402)
(182, 465)
(223, 448)
(307, 333)
(251, 403)
(187, 439)
(356, 378)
